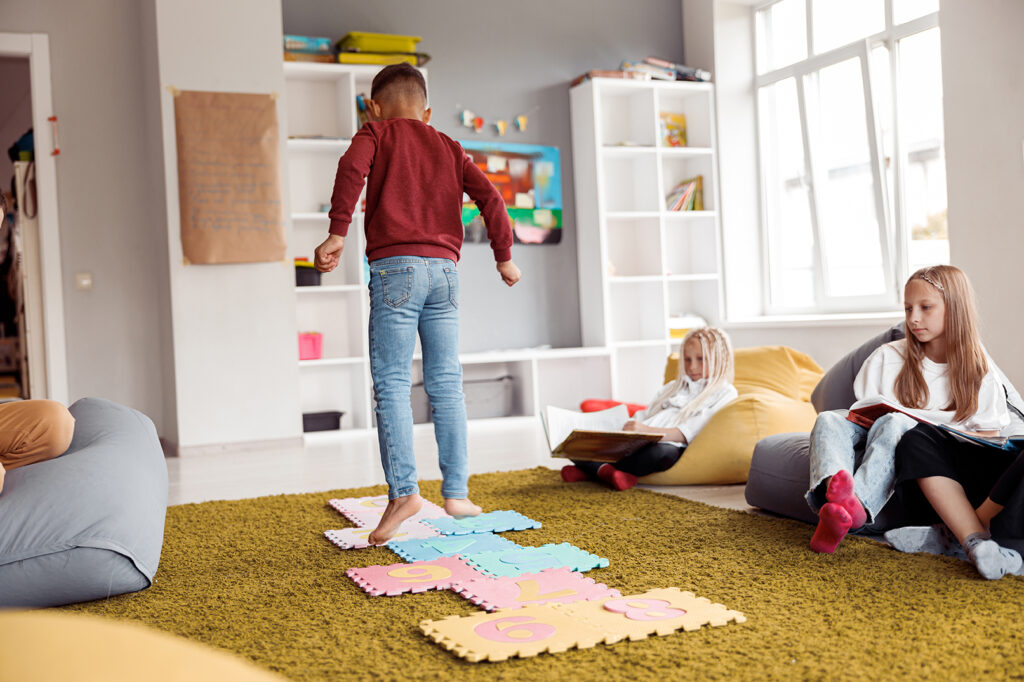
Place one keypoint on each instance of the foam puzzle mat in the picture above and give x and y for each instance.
(357, 538)
(449, 545)
(514, 562)
(535, 598)
(419, 576)
(552, 585)
(554, 628)
(490, 522)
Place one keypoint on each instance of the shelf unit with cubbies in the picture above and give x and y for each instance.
(321, 119)
(642, 264)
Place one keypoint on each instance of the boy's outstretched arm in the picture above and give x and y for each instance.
(327, 256)
(495, 215)
(509, 272)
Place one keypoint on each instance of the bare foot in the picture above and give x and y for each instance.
(398, 510)
(460, 508)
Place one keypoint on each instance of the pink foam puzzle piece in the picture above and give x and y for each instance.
(358, 538)
(376, 504)
(553, 585)
(372, 518)
(419, 576)
(358, 504)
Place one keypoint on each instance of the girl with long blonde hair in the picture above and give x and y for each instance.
(677, 412)
(939, 374)
(939, 476)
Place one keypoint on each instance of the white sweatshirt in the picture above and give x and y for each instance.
(877, 378)
(666, 418)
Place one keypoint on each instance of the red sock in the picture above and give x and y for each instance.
(840, 491)
(573, 474)
(619, 480)
(833, 524)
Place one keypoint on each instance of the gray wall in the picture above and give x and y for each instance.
(107, 223)
(500, 60)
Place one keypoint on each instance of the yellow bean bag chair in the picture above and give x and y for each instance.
(774, 385)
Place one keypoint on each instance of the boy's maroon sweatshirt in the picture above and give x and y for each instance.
(415, 178)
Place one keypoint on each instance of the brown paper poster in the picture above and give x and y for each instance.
(229, 186)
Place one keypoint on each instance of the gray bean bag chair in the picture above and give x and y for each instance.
(780, 467)
(90, 523)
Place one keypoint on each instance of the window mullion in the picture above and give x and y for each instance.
(899, 205)
(874, 147)
(809, 26)
(811, 180)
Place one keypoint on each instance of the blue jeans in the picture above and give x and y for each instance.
(410, 294)
(833, 440)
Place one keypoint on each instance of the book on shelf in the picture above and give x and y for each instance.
(866, 411)
(381, 58)
(592, 436)
(655, 72)
(673, 129)
(687, 195)
(361, 111)
(310, 44)
(680, 71)
(607, 73)
(293, 56)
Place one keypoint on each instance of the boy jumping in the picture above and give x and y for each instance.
(415, 179)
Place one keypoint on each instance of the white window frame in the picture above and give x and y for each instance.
(893, 234)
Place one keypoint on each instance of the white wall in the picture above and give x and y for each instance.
(108, 225)
(233, 326)
(983, 101)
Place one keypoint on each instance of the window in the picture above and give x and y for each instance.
(852, 163)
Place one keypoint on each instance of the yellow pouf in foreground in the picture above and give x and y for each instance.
(50, 645)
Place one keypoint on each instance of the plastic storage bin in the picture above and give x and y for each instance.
(485, 398)
(311, 345)
(378, 42)
(306, 275)
(321, 421)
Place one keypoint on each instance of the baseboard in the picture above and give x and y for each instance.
(172, 449)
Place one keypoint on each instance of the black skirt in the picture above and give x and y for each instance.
(927, 451)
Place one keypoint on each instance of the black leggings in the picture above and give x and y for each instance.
(647, 460)
(1008, 482)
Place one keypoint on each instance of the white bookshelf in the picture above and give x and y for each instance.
(641, 264)
(321, 111)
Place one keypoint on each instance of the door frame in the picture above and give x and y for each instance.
(36, 47)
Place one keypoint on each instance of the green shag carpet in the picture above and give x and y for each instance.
(257, 577)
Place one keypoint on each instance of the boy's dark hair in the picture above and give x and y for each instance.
(403, 78)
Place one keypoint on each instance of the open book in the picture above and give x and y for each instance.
(592, 436)
(864, 413)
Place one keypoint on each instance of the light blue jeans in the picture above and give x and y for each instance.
(410, 295)
(833, 440)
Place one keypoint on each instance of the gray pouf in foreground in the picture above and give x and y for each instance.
(90, 523)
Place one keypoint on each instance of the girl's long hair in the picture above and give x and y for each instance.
(964, 354)
(716, 348)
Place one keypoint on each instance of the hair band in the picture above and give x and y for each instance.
(934, 284)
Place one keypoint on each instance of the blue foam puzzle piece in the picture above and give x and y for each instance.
(429, 549)
(491, 522)
(514, 562)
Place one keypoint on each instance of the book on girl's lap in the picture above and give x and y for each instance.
(592, 436)
(864, 412)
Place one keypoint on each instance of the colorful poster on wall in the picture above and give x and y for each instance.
(229, 187)
(529, 178)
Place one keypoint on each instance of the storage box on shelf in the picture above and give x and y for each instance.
(642, 262)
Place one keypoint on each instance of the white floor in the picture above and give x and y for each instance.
(351, 461)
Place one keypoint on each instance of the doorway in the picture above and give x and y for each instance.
(15, 146)
(33, 360)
